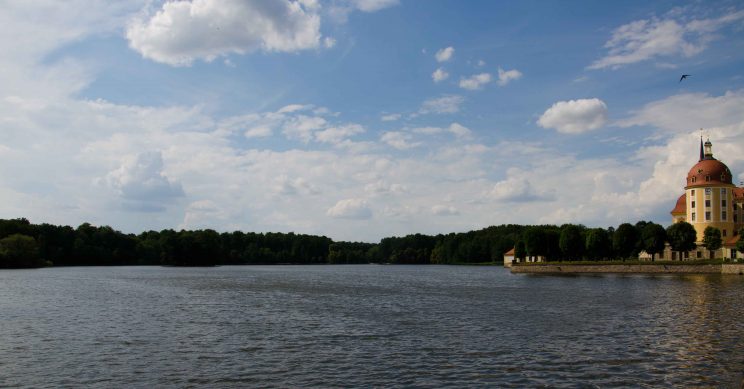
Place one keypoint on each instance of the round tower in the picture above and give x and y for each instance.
(709, 194)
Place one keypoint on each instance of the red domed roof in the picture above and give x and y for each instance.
(707, 172)
(681, 206)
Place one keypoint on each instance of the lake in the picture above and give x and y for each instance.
(366, 326)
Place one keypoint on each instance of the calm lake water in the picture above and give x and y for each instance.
(365, 326)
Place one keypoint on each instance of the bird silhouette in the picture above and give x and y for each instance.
(684, 76)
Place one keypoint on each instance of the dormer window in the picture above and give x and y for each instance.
(723, 177)
(693, 180)
(707, 178)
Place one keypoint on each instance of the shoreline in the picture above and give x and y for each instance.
(726, 268)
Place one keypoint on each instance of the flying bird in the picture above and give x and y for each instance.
(684, 76)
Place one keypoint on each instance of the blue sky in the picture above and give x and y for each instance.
(362, 119)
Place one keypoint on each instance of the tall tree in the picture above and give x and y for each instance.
(681, 236)
(18, 251)
(597, 244)
(571, 242)
(740, 242)
(519, 251)
(712, 239)
(653, 239)
(624, 240)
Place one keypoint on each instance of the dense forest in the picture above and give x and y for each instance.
(23, 244)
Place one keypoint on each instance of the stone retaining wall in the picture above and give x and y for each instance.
(733, 268)
(671, 269)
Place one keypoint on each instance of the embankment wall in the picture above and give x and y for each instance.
(639, 269)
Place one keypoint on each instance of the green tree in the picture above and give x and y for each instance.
(653, 239)
(597, 244)
(625, 240)
(740, 242)
(519, 251)
(712, 239)
(19, 251)
(571, 242)
(681, 236)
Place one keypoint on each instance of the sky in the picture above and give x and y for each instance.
(362, 119)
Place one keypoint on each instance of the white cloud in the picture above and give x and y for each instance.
(689, 111)
(642, 40)
(459, 130)
(350, 209)
(390, 117)
(508, 75)
(444, 210)
(481, 63)
(399, 140)
(476, 81)
(329, 42)
(444, 104)
(456, 129)
(302, 127)
(336, 135)
(575, 116)
(439, 75)
(258, 132)
(141, 184)
(340, 9)
(373, 5)
(444, 55)
(516, 189)
(183, 31)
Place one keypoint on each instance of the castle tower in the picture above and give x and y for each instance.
(709, 195)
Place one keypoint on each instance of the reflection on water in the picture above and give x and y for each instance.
(432, 326)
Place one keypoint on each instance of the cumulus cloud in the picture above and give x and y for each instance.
(336, 135)
(184, 31)
(142, 185)
(439, 75)
(444, 104)
(476, 81)
(445, 54)
(689, 111)
(516, 189)
(646, 39)
(399, 140)
(575, 116)
(350, 209)
(508, 75)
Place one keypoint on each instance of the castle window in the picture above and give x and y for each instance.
(723, 215)
(707, 203)
(723, 232)
(692, 204)
(692, 192)
(707, 178)
(692, 217)
(707, 215)
(707, 191)
(723, 190)
(723, 177)
(723, 203)
(693, 179)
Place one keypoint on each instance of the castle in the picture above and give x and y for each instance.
(710, 200)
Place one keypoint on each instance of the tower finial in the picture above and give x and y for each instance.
(702, 155)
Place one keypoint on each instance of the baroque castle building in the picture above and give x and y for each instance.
(710, 200)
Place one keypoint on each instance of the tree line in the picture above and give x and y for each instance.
(23, 244)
